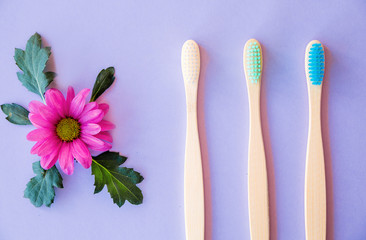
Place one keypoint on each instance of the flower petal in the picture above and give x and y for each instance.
(34, 106)
(39, 122)
(48, 161)
(93, 116)
(81, 153)
(78, 103)
(56, 100)
(90, 128)
(88, 107)
(92, 141)
(49, 114)
(80, 147)
(106, 136)
(48, 146)
(106, 146)
(66, 159)
(106, 125)
(69, 97)
(39, 134)
(104, 107)
(36, 146)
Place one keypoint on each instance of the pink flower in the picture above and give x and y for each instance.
(67, 128)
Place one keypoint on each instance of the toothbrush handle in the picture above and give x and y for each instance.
(193, 180)
(257, 175)
(315, 188)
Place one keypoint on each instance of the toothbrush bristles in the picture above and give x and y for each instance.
(253, 60)
(316, 63)
(190, 61)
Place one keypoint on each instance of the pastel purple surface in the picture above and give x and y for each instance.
(143, 41)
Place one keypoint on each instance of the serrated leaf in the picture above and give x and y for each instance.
(32, 62)
(104, 80)
(134, 176)
(120, 181)
(40, 189)
(110, 159)
(16, 114)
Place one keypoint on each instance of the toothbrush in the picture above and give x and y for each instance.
(193, 176)
(315, 191)
(257, 170)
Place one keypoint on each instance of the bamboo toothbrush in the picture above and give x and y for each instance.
(193, 176)
(257, 170)
(315, 191)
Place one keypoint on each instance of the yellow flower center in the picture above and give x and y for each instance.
(68, 129)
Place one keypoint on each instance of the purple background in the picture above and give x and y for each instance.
(143, 40)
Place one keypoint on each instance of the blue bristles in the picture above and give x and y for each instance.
(316, 64)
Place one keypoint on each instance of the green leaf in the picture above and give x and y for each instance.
(40, 189)
(16, 114)
(121, 182)
(104, 80)
(32, 62)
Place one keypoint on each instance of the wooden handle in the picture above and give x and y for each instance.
(257, 168)
(257, 174)
(193, 175)
(315, 189)
(193, 183)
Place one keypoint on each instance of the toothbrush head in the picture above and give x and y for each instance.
(190, 62)
(315, 62)
(253, 62)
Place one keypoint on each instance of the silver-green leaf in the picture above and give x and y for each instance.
(40, 189)
(16, 114)
(32, 61)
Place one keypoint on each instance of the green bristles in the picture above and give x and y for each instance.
(254, 62)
